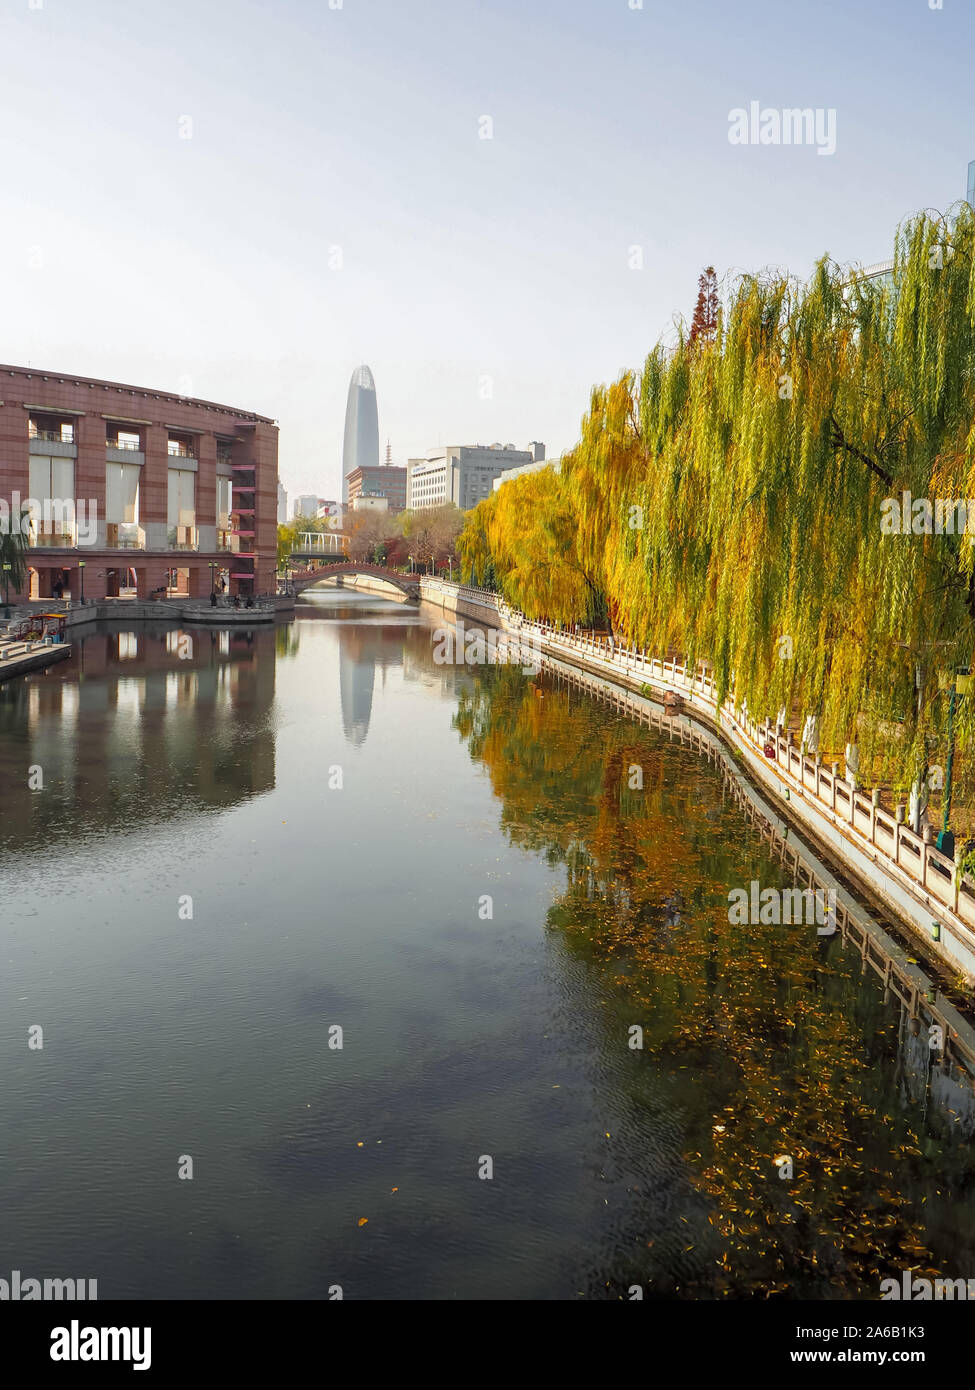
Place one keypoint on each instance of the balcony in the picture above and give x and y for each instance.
(53, 436)
(178, 450)
(53, 443)
(124, 451)
(124, 535)
(183, 538)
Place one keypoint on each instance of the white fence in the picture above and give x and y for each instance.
(911, 858)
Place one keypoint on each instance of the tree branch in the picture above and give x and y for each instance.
(838, 440)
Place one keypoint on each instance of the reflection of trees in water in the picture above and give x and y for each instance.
(775, 1043)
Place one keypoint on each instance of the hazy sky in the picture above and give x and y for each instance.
(208, 264)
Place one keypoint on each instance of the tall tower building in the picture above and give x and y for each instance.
(361, 449)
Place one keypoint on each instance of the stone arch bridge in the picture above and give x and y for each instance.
(408, 584)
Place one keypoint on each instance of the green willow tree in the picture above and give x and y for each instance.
(736, 502)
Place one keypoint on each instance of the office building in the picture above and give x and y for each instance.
(124, 490)
(459, 473)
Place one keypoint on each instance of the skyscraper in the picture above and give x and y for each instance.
(361, 449)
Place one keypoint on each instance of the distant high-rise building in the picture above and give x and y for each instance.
(361, 447)
(282, 504)
(306, 506)
(459, 473)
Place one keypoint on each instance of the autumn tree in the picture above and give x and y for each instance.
(704, 325)
(366, 534)
(431, 533)
(742, 504)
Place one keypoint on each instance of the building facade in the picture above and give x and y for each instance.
(361, 445)
(385, 480)
(282, 505)
(366, 502)
(459, 473)
(121, 490)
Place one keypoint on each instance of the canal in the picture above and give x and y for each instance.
(433, 995)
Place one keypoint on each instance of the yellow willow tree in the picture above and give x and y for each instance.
(525, 538)
(768, 501)
(599, 479)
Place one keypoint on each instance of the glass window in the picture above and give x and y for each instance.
(121, 492)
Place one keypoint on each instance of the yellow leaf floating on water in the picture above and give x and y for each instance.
(363, 1220)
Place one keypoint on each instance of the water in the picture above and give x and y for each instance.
(192, 904)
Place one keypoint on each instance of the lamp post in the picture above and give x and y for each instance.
(213, 578)
(6, 589)
(81, 571)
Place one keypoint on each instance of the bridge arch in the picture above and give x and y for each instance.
(408, 584)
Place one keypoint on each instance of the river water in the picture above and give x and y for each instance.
(563, 1072)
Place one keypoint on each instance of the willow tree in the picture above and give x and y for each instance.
(528, 534)
(767, 500)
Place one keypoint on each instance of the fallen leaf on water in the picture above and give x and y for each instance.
(363, 1220)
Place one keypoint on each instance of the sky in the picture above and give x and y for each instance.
(242, 201)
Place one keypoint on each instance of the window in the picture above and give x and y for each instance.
(122, 492)
(52, 505)
(181, 514)
(224, 493)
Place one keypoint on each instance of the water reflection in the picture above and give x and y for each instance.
(362, 651)
(769, 1043)
(134, 727)
(509, 1035)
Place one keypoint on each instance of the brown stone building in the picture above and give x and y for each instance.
(382, 480)
(128, 491)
